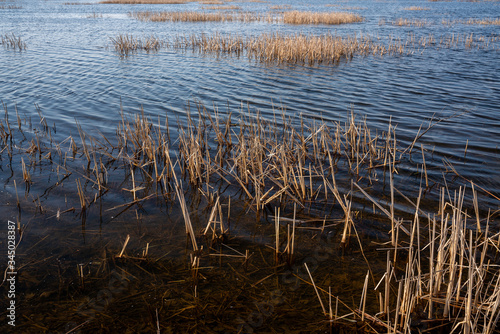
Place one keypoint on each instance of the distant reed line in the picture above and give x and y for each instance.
(280, 48)
(423, 23)
(11, 7)
(416, 8)
(289, 17)
(130, 2)
(487, 21)
(297, 48)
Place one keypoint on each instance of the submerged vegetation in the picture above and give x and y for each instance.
(428, 269)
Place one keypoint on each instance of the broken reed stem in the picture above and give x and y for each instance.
(124, 245)
(315, 289)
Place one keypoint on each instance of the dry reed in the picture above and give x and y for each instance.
(289, 17)
(416, 8)
(11, 7)
(193, 16)
(440, 267)
(297, 17)
(13, 42)
(126, 44)
(279, 48)
(131, 2)
(226, 7)
(411, 23)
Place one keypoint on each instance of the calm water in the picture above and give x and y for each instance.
(71, 71)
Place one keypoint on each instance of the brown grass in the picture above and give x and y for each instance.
(126, 44)
(410, 23)
(130, 2)
(13, 42)
(292, 17)
(279, 48)
(280, 7)
(484, 21)
(227, 7)
(193, 16)
(212, 2)
(11, 7)
(297, 17)
(472, 22)
(416, 8)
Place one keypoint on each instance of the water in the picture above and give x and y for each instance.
(71, 71)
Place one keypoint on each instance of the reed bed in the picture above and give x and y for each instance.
(289, 17)
(472, 22)
(12, 41)
(126, 44)
(441, 268)
(484, 21)
(298, 49)
(307, 49)
(410, 23)
(212, 2)
(416, 8)
(11, 7)
(280, 7)
(298, 17)
(293, 49)
(152, 2)
(223, 7)
(193, 16)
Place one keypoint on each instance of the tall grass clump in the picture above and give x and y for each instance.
(152, 2)
(411, 23)
(192, 16)
(13, 42)
(416, 8)
(292, 49)
(298, 17)
(484, 21)
(126, 44)
(290, 17)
